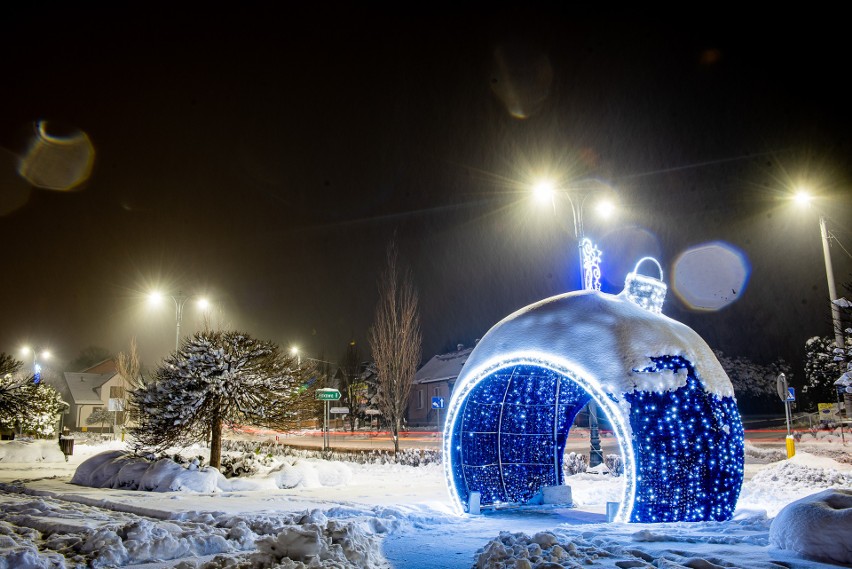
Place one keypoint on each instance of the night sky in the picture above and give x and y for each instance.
(265, 161)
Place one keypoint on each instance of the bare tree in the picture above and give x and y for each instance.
(395, 340)
(350, 387)
(129, 372)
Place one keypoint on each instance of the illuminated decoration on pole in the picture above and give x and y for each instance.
(670, 404)
(590, 256)
(645, 291)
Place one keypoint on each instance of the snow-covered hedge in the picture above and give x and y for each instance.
(406, 457)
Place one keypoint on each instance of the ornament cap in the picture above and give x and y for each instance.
(646, 291)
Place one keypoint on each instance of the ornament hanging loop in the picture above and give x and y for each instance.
(646, 291)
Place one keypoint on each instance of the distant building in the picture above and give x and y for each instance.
(435, 379)
(90, 390)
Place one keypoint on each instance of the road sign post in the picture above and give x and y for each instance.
(787, 395)
(438, 404)
(327, 395)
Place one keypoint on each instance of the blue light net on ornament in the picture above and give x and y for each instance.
(509, 438)
(688, 445)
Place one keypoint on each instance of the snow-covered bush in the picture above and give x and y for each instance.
(765, 455)
(574, 463)
(614, 464)
(243, 464)
(407, 457)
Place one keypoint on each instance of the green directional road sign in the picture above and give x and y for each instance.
(327, 394)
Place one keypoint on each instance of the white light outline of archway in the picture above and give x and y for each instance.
(590, 384)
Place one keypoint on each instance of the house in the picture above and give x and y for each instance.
(435, 379)
(98, 387)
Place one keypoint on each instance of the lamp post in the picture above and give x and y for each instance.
(45, 354)
(590, 255)
(179, 300)
(590, 271)
(804, 198)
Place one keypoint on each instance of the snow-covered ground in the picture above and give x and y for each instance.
(314, 513)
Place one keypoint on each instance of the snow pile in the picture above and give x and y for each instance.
(818, 526)
(311, 474)
(822, 436)
(64, 534)
(311, 541)
(118, 469)
(698, 545)
(804, 471)
(18, 548)
(28, 451)
(761, 455)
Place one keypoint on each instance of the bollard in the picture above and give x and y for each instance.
(611, 511)
(473, 503)
(791, 446)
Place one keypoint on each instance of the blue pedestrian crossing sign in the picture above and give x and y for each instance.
(791, 394)
(437, 403)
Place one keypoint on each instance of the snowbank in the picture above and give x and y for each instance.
(120, 470)
(28, 451)
(818, 526)
(311, 474)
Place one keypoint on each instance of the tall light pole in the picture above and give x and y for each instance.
(590, 270)
(804, 198)
(179, 300)
(590, 255)
(45, 354)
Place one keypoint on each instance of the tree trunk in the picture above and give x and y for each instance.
(395, 437)
(216, 443)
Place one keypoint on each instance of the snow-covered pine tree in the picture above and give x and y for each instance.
(31, 408)
(823, 367)
(218, 379)
(101, 416)
(751, 379)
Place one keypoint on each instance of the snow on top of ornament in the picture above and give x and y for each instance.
(608, 338)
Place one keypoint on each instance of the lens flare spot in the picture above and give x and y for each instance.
(710, 276)
(521, 79)
(57, 158)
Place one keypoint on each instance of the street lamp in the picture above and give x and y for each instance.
(590, 256)
(180, 301)
(45, 354)
(590, 271)
(803, 198)
(295, 351)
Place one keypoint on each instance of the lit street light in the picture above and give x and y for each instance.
(803, 198)
(180, 301)
(590, 271)
(590, 255)
(295, 351)
(45, 354)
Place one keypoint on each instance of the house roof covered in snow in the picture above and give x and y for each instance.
(443, 367)
(83, 386)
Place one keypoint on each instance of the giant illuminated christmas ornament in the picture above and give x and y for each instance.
(670, 404)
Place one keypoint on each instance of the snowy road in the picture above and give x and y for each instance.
(383, 516)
